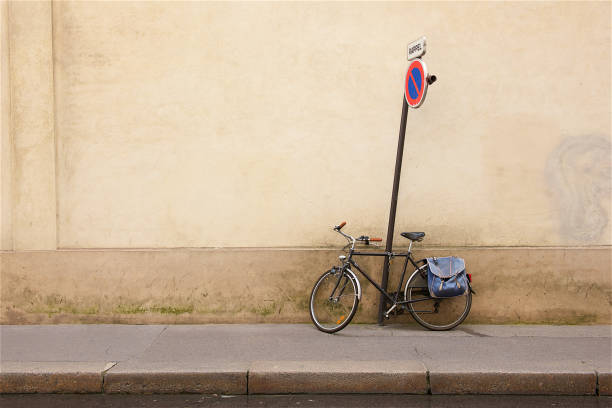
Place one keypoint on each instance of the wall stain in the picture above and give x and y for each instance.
(565, 286)
(578, 174)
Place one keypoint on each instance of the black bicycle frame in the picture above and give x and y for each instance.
(391, 255)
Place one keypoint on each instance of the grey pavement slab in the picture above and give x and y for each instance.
(536, 331)
(209, 343)
(85, 342)
(337, 377)
(146, 378)
(512, 377)
(303, 342)
(527, 350)
(52, 377)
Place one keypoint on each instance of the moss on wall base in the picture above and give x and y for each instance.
(514, 285)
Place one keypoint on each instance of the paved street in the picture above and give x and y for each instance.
(302, 401)
(272, 359)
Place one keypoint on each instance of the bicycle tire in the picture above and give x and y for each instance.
(416, 288)
(322, 302)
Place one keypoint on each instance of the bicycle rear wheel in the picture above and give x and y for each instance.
(333, 301)
(435, 313)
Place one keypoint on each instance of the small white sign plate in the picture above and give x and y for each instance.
(417, 48)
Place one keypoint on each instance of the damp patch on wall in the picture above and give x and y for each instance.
(578, 174)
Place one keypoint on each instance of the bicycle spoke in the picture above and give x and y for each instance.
(333, 301)
(434, 313)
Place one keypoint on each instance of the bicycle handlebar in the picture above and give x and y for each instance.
(352, 240)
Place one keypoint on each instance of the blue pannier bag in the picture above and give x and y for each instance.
(446, 277)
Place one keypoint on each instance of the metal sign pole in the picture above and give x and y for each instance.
(391, 228)
(415, 89)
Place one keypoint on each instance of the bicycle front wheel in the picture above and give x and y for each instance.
(333, 301)
(435, 313)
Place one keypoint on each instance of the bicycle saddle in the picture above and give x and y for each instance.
(413, 236)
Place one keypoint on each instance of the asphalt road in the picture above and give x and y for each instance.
(352, 401)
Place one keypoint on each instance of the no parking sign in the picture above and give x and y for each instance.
(415, 87)
(417, 78)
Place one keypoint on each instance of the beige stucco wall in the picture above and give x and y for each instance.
(262, 124)
(160, 125)
(6, 150)
(31, 123)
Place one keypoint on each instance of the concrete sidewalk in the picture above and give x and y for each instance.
(277, 359)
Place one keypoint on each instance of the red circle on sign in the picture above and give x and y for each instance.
(418, 84)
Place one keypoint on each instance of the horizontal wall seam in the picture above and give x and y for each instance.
(242, 249)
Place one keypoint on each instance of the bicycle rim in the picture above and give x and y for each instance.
(333, 301)
(435, 313)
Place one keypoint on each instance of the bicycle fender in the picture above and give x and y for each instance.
(418, 270)
(354, 277)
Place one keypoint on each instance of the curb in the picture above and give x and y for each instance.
(288, 377)
(157, 378)
(338, 377)
(516, 378)
(52, 377)
(604, 383)
(514, 383)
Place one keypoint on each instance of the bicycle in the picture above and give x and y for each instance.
(336, 294)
